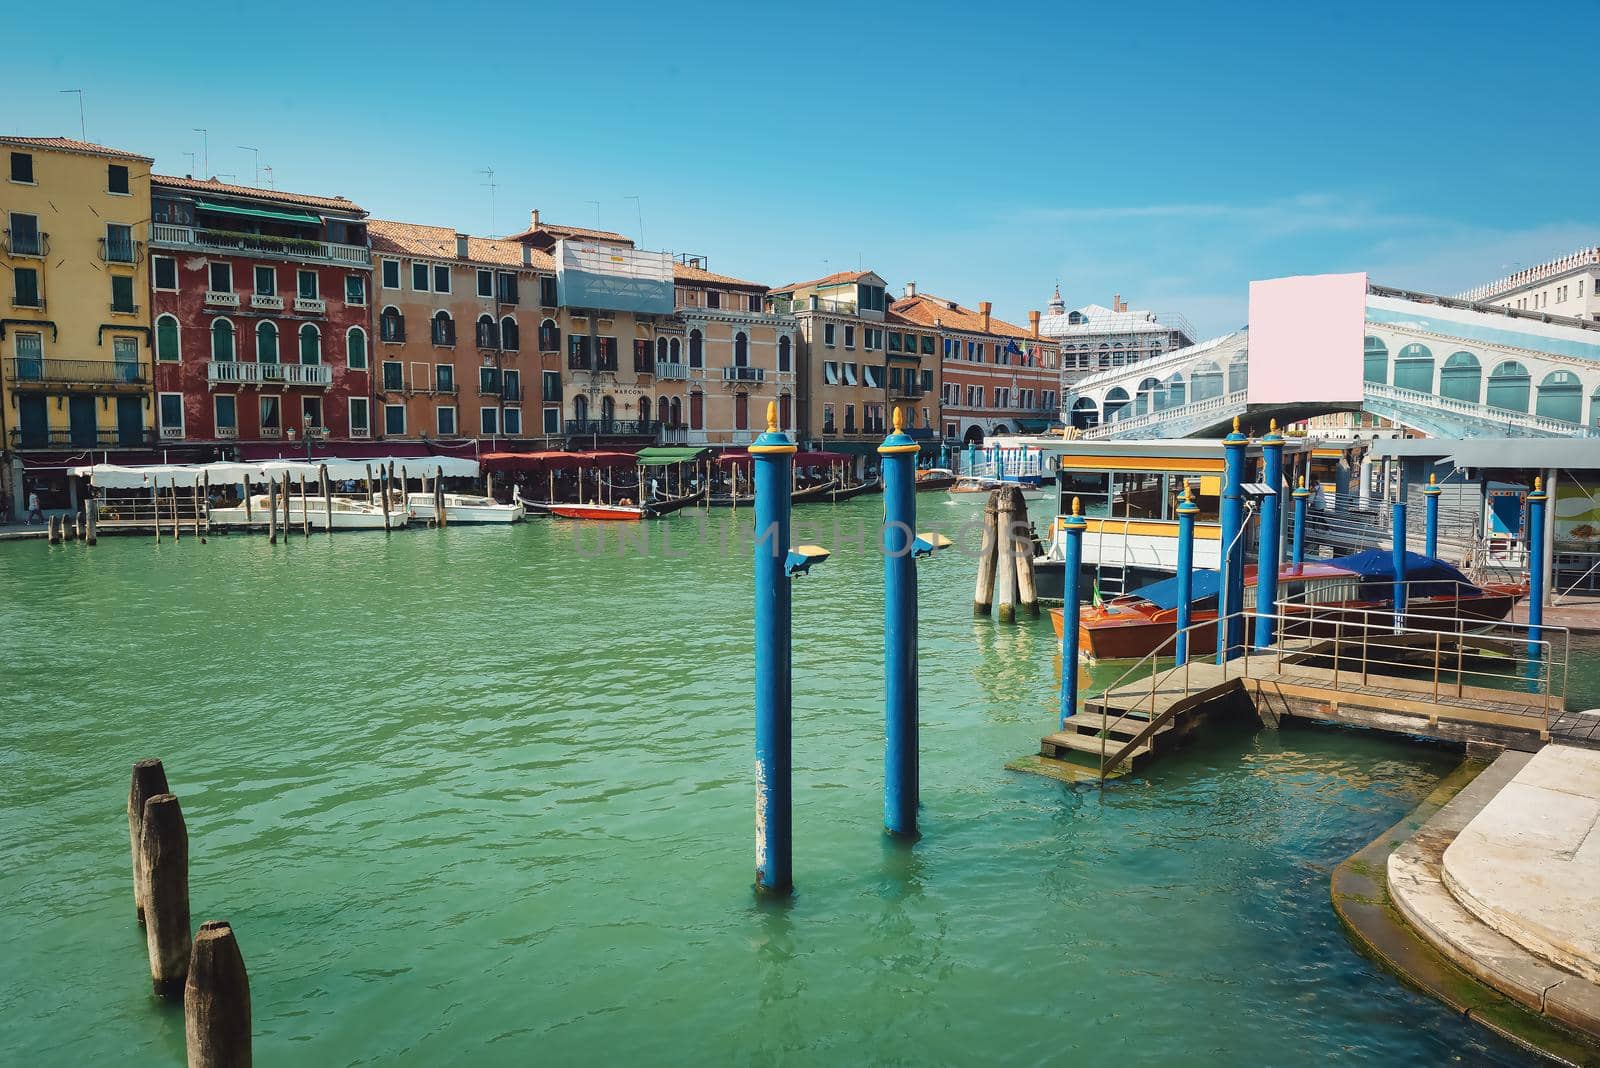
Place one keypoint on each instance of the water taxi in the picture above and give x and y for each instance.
(346, 513)
(466, 508)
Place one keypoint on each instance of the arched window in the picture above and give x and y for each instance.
(266, 341)
(1509, 384)
(741, 349)
(1205, 381)
(510, 336)
(697, 410)
(608, 411)
(1175, 395)
(1084, 413)
(310, 344)
(1560, 397)
(1147, 397)
(580, 408)
(1239, 372)
(675, 419)
(167, 344)
(644, 410)
(1461, 378)
(785, 354)
(1594, 407)
(675, 351)
(661, 350)
(355, 348)
(488, 334)
(1116, 404)
(221, 340)
(1375, 360)
(697, 349)
(1413, 368)
(443, 328)
(549, 336)
(391, 325)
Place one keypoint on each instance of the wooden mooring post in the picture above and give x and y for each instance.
(288, 496)
(91, 516)
(149, 779)
(216, 1000)
(164, 855)
(1006, 557)
(173, 489)
(369, 483)
(51, 535)
(272, 512)
(327, 497)
(384, 478)
(305, 512)
(438, 498)
(1021, 545)
(989, 544)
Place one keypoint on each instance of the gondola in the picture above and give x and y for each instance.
(844, 493)
(730, 501)
(822, 491)
(668, 505)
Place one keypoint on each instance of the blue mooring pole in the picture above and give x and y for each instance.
(1430, 539)
(1398, 543)
(1186, 514)
(773, 454)
(1535, 555)
(1270, 544)
(901, 788)
(972, 457)
(1071, 600)
(1301, 496)
(1230, 631)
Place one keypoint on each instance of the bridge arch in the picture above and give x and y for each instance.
(1148, 397)
(1594, 407)
(1560, 397)
(1461, 378)
(1509, 385)
(1205, 381)
(1085, 413)
(1239, 371)
(1413, 368)
(1175, 391)
(1375, 360)
(1116, 404)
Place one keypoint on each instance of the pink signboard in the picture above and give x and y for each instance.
(1306, 335)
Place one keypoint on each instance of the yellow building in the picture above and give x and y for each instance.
(74, 303)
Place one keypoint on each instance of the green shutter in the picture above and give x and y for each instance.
(167, 338)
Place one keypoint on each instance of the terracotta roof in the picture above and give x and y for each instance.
(894, 318)
(439, 243)
(67, 144)
(923, 309)
(211, 185)
(832, 279)
(685, 273)
(557, 230)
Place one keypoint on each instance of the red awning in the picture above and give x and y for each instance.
(554, 461)
(801, 459)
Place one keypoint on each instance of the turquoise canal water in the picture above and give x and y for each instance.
(474, 797)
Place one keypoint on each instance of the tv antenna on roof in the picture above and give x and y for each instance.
(257, 151)
(489, 173)
(267, 170)
(639, 206)
(83, 127)
(205, 148)
(596, 204)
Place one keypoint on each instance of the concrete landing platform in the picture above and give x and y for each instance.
(1417, 884)
(1528, 865)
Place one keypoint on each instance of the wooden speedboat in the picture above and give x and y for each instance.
(623, 513)
(966, 484)
(467, 508)
(1336, 595)
(932, 479)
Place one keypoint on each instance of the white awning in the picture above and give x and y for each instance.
(115, 476)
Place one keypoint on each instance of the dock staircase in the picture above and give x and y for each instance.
(1114, 734)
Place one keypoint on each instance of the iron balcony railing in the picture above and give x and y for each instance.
(675, 371)
(86, 438)
(744, 374)
(27, 242)
(23, 370)
(121, 250)
(391, 329)
(230, 241)
(231, 372)
(612, 428)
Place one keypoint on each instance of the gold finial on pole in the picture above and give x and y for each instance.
(1188, 492)
(899, 419)
(1433, 479)
(772, 417)
(1302, 481)
(1272, 426)
(1236, 424)
(1077, 508)
(1538, 484)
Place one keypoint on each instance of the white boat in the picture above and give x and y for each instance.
(466, 508)
(348, 514)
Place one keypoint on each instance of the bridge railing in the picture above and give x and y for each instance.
(1482, 412)
(1449, 655)
(1218, 405)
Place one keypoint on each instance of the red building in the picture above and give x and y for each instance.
(261, 314)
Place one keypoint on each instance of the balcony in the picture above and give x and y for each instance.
(26, 372)
(227, 433)
(235, 373)
(672, 371)
(79, 439)
(225, 300)
(272, 432)
(744, 374)
(310, 305)
(32, 243)
(264, 301)
(124, 309)
(611, 428)
(125, 250)
(907, 392)
(228, 241)
(171, 433)
(822, 304)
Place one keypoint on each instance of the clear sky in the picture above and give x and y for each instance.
(1167, 152)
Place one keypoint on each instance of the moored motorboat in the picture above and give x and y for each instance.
(347, 513)
(966, 484)
(931, 479)
(625, 513)
(466, 508)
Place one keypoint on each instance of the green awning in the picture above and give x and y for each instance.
(259, 213)
(658, 456)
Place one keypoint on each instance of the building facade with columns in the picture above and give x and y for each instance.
(1095, 337)
(1562, 286)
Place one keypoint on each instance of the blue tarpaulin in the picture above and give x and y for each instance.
(1376, 567)
(1164, 594)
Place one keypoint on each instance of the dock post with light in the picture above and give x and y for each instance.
(1071, 598)
(900, 774)
(1186, 513)
(1430, 537)
(1271, 540)
(1230, 631)
(773, 454)
(1301, 496)
(1398, 555)
(1536, 557)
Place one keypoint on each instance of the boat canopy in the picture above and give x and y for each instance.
(1430, 576)
(223, 473)
(554, 461)
(663, 455)
(1164, 594)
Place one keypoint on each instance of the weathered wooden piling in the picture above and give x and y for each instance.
(216, 1000)
(384, 476)
(438, 499)
(91, 516)
(272, 511)
(288, 497)
(50, 535)
(205, 502)
(989, 542)
(305, 512)
(369, 483)
(173, 490)
(327, 496)
(1006, 557)
(164, 855)
(149, 779)
(76, 533)
(1022, 550)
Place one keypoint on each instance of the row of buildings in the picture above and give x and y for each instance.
(194, 318)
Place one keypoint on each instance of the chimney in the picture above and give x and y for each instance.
(1116, 302)
(533, 219)
(911, 289)
(461, 246)
(984, 308)
(1033, 323)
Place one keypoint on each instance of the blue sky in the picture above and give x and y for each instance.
(1160, 151)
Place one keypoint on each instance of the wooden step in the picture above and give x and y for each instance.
(1056, 745)
(1117, 727)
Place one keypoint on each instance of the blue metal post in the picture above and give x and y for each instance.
(972, 458)
(1431, 537)
(1399, 555)
(900, 776)
(1230, 630)
(774, 459)
(1301, 496)
(1186, 514)
(1070, 602)
(1271, 541)
(1535, 555)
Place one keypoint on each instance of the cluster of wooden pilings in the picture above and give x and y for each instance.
(79, 527)
(203, 967)
(1005, 561)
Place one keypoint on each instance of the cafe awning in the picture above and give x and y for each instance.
(554, 461)
(259, 213)
(661, 455)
